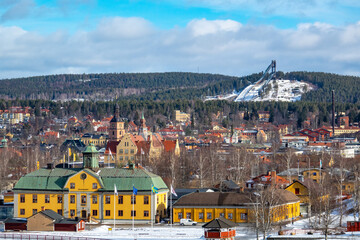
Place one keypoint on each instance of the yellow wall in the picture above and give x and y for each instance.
(310, 174)
(303, 191)
(28, 205)
(282, 212)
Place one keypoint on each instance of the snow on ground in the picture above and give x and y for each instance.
(278, 90)
(165, 232)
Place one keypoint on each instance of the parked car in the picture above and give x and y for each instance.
(187, 222)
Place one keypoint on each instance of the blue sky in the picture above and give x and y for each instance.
(233, 37)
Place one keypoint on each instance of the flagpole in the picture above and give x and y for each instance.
(151, 208)
(171, 209)
(114, 209)
(133, 202)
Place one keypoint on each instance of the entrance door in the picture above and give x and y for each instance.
(83, 214)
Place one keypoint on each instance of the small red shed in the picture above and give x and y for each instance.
(72, 225)
(15, 224)
(220, 228)
(353, 226)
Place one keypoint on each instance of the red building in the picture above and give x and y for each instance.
(220, 228)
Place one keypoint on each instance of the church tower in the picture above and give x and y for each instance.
(90, 157)
(116, 130)
(143, 130)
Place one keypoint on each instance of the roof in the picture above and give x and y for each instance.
(124, 178)
(15, 220)
(51, 214)
(220, 222)
(229, 198)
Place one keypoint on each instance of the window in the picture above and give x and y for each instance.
(133, 213)
(222, 215)
(164, 198)
(22, 211)
(47, 198)
(180, 215)
(146, 199)
(107, 213)
(230, 216)
(314, 174)
(146, 213)
(107, 199)
(201, 215)
(94, 212)
(132, 151)
(126, 158)
(133, 199)
(121, 158)
(59, 198)
(22, 198)
(157, 199)
(132, 158)
(121, 151)
(209, 215)
(94, 199)
(297, 191)
(34, 198)
(343, 187)
(59, 211)
(34, 211)
(120, 199)
(72, 198)
(188, 215)
(83, 199)
(120, 213)
(243, 216)
(72, 185)
(126, 151)
(94, 186)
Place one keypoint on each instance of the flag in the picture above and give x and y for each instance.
(115, 190)
(154, 189)
(134, 191)
(320, 164)
(173, 191)
(111, 154)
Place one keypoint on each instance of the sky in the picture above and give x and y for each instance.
(231, 37)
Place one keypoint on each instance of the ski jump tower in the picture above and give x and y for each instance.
(252, 91)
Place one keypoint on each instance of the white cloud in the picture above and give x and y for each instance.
(135, 45)
(204, 27)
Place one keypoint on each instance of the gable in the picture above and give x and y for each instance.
(84, 181)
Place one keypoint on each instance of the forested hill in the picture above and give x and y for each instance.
(165, 86)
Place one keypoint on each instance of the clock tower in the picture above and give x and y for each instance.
(116, 130)
(90, 157)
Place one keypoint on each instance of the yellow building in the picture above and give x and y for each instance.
(237, 207)
(181, 116)
(314, 174)
(89, 192)
(99, 140)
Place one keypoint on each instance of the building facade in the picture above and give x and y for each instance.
(89, 192)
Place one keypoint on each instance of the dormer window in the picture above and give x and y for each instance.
(72, 185)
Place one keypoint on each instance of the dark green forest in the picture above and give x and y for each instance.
(166, 86)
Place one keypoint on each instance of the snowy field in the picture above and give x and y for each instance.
(299, 228)
(279, 90)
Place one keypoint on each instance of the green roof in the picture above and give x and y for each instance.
(124, 178)
(90, 149)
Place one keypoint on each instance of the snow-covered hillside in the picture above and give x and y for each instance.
(275, 90)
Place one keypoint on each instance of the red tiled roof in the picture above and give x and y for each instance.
(111, 146)
(169, 145)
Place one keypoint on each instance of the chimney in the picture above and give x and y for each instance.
(273, 177)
